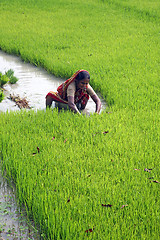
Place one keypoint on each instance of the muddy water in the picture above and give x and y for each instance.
(33, 84)
(13, 223)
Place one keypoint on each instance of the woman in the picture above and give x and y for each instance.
(75, 93)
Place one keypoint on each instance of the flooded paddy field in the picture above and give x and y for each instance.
(33, 84)
(13, 221)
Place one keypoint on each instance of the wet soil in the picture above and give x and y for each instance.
(13, 221)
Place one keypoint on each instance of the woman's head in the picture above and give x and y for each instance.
(83, 75)
(82, 79)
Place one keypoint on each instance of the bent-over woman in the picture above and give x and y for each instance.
(75, 93)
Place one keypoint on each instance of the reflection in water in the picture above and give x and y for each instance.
(33, 84)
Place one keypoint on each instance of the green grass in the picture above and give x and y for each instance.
(120, 50)
(90, 168)
(118, 43)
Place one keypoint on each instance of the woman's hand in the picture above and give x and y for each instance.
(72, 105)
(97, 102)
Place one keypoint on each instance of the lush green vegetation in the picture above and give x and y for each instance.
(70, 169)
(5, 78)
(11, 77)
(1, 95)
(64, 178)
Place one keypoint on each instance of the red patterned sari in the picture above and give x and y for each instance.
(81, 96)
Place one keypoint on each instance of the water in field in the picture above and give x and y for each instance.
(33, 84)
(13, 223)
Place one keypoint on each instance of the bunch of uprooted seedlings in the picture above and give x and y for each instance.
(20, 102)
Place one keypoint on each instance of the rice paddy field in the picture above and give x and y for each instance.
(85, 177)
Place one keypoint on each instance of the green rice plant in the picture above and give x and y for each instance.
(91, 177)
(10, 75)
(95, 182)
(13, 79)
(3, 79)
(0, 78)
(1, 95)
(122, 71)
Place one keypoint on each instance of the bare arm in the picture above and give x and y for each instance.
(72, 105)
(97, 102)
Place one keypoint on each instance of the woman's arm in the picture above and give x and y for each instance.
(97, 102)
(72, 105)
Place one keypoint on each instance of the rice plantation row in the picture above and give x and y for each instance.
(91, 177)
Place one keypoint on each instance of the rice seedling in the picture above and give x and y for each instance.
(91, 177)
(1, 95)
(87, 183)
(3, 79)
(7, 77)
(10, 75)
(13, 80)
